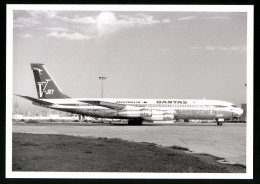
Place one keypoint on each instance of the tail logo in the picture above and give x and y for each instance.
(42, 86)
(39, 70)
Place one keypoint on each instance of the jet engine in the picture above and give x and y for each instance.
(148, 114)
(135, 113)
(162, 116)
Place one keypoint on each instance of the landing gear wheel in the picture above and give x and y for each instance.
(219, 123)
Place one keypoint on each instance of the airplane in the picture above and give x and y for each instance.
(135, 110)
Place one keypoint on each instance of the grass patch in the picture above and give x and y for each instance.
(34, 152)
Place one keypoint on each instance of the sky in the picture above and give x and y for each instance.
(171, 55)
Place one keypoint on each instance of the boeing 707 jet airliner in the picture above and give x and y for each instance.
(136, 110)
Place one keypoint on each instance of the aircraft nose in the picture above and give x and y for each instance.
(239, 111)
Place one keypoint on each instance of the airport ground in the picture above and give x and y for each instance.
(227, 142)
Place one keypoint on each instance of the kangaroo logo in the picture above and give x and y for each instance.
(42, 86)
(39, 70)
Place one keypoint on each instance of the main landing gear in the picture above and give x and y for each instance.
(135, 122)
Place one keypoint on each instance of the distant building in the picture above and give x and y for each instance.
(243, 117)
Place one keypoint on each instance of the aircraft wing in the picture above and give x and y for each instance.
(110, 105)
(36, 100)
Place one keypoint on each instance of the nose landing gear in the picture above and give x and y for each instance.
(220, 122)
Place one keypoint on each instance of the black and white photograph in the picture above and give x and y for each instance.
(129, 91)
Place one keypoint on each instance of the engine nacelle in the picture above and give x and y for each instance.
(135, 113)
(129, 113)
(163, 117)
(148, 114)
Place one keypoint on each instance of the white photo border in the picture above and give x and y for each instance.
(249, 9)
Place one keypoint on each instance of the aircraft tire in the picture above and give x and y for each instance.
(219, 123)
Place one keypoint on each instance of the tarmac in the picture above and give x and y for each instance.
(227, 141)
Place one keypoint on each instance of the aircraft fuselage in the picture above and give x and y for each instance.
(185, 109)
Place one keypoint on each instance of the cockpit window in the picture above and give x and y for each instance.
(233, 106)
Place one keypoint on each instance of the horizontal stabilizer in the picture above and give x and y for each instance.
(110, 105)
(36, 100)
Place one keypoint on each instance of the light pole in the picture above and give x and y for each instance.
(102, 79)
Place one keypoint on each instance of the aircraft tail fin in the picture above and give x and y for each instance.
(45, 85)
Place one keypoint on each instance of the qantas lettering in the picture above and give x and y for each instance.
(172, 102)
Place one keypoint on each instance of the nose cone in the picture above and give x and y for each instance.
(238, 111)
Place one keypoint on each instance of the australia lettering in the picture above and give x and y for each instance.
(123, 102)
